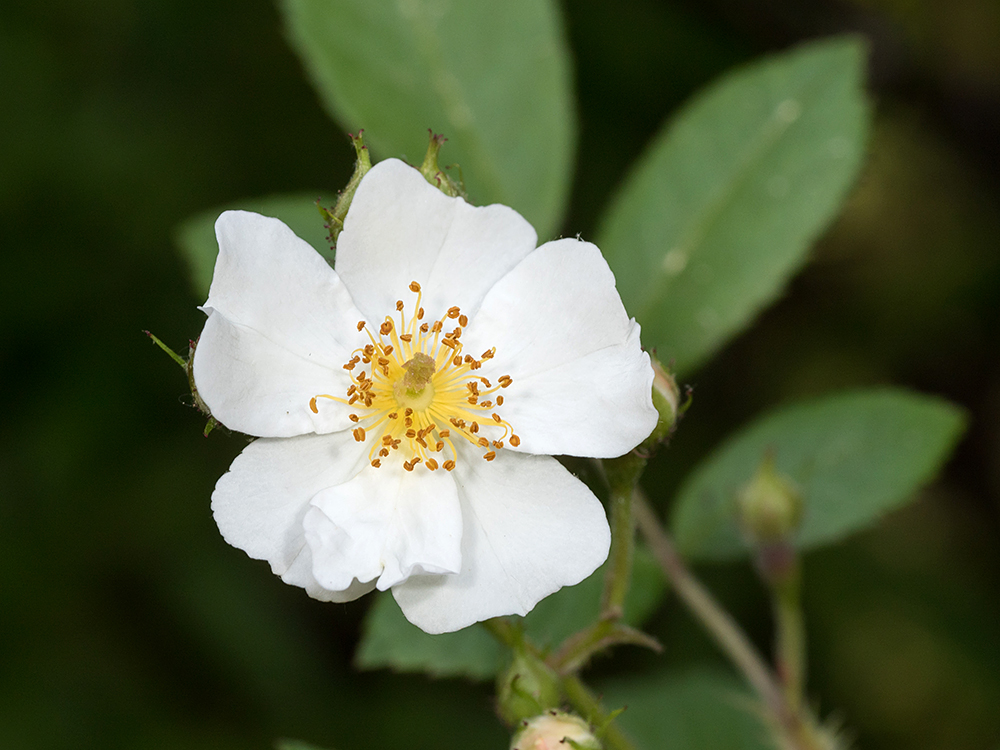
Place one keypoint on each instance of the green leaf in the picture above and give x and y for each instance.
(691, 711)
(196, 236)
(492, 77)
(724, 206)
(854, 456)
(389, 640)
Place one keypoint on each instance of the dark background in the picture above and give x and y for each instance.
(126, 621)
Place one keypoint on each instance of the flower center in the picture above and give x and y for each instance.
(413, 385)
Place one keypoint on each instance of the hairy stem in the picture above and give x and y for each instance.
(720, 625)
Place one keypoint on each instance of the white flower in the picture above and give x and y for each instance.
(409, 399)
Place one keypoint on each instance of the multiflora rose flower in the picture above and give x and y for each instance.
(408, 401)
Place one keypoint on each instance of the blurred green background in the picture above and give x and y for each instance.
(126, 621)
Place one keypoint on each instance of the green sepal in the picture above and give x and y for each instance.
(435, 175)
(334, 219)
(188, 366)
(170, 352)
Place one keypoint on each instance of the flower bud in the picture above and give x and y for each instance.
(528, 688)
(770, 505)
(555, 730)
(666, 400)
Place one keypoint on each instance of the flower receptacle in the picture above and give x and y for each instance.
(527, 688)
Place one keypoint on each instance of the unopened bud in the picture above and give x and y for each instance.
(770, 505)
(529, 687)
(666, 401)
(555, 730)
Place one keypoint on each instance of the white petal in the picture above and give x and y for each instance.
(530, 527)
(401, 229)
(385, 523)
(301, 574)
(270, 283)
(259, 504)
(253, 385)
(582, 384)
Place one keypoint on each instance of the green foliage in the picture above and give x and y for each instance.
(726, 203)
(196, 236)
(854, 456)
(391, 641)
(691, 711)
(295, 745)
(492, 77)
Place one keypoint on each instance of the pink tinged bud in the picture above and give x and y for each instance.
(555, 730)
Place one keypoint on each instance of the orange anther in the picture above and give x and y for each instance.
(414, 286)
(449, 465)
(515, 440)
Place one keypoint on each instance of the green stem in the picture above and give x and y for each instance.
(619, 573)
(790, 640)
(574, 653)
(589, 707)
(791, 720)
(719, 623)
(506, 631)
(623, 475)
